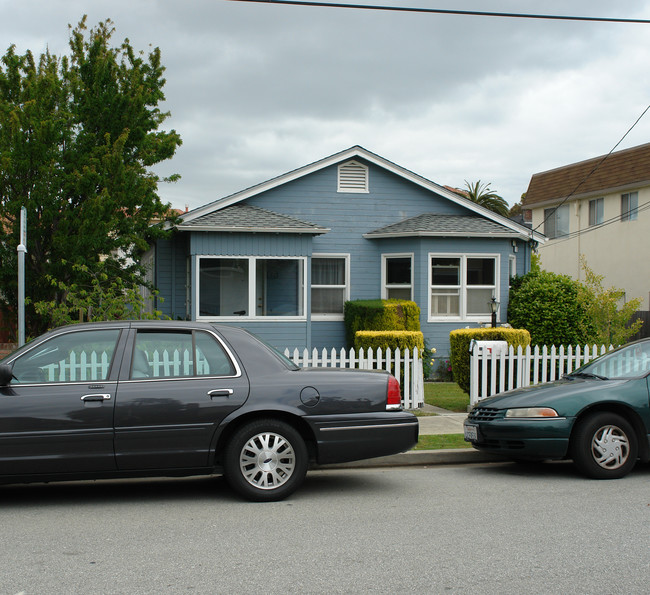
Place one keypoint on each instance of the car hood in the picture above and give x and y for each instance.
(566, 396)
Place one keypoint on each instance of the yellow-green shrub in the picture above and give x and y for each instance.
(389, 340)
(380, 315)
(459, 341)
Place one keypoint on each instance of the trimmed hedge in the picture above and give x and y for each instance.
(459, 341)
(380, 315)
(389, 339)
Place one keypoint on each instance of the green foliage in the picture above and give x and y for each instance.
(380, 315)
(483, 195)
(547, 305)
(459, 342)
(99, 297)
(78, 138)
(610, 324)
(389, 340)
(558, 310)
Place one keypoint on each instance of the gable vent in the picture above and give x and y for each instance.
(353, 177)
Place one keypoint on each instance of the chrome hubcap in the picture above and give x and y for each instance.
(267, 461)
(610, 447)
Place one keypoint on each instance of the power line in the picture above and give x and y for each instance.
(591, 173)
(616, 219)
(475, 13)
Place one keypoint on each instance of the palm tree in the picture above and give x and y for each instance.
(483, 195)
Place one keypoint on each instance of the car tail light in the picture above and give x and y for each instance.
(394, 394)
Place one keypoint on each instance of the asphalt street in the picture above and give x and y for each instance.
(485, 529)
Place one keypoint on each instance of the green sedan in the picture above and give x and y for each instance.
(599, 416)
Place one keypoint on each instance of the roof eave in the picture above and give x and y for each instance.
(447, 234)
(232, 229)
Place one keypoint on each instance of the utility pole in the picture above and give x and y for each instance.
(22, 250)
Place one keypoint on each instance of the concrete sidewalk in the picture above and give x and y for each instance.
(444, 422)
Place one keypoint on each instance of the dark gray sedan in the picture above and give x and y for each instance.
(145, 398)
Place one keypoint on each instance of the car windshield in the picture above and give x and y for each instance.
(630, 361)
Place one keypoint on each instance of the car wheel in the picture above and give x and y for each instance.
(604, 446)
(265, 460)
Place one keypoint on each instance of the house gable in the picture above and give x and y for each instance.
(358, 159)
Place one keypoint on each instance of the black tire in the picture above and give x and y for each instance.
(266, 460)
(604, 446)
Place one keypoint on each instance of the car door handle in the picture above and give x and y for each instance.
(96, 397)
(220, 392)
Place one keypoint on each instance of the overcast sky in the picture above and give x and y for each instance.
(257, 90)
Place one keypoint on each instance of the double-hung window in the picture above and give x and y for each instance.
(397, 276)
(251, 286)
(596, 209)
(556, 221)
(629, 206)
(330, 286)
(462, 286)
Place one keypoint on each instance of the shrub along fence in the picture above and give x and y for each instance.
(405, 365)
(495, 371)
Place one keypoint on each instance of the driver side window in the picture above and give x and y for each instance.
(78, 356)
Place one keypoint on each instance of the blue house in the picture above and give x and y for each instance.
(282, 257)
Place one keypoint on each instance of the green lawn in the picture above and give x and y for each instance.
(440, 441)
(447, 395)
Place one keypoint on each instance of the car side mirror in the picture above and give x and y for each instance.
(6, 374)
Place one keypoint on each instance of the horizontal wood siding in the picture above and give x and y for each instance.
(278, 334)
(327, 335)
(171, 276)
(241, 244)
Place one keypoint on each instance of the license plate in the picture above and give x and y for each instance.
(471, 433)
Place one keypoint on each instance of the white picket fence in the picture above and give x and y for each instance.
(79, 367)
(493, 372)
(92, 366)
(404, 365)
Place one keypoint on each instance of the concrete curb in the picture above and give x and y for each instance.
(459, 456)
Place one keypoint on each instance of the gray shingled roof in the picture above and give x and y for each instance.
(432, 224)
(246, 218)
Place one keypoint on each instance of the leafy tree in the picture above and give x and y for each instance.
(547, 305)
(78, 137)
(96, 297)
(610, 324)
(483, 195)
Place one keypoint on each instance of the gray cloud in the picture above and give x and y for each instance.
(256, 90)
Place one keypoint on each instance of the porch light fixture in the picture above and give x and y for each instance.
(494, 307)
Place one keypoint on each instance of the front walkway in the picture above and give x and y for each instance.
(444, 422)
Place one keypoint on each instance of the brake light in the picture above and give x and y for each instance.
(393, 394)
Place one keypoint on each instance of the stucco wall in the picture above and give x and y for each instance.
(616, 249)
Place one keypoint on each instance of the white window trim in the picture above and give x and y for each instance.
(463, 317)
(346, 294)
(512, 267)
(384, 285)
(252, 306)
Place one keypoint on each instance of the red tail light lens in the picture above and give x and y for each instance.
(394, 394)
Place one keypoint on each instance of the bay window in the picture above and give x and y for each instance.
(461, 286)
